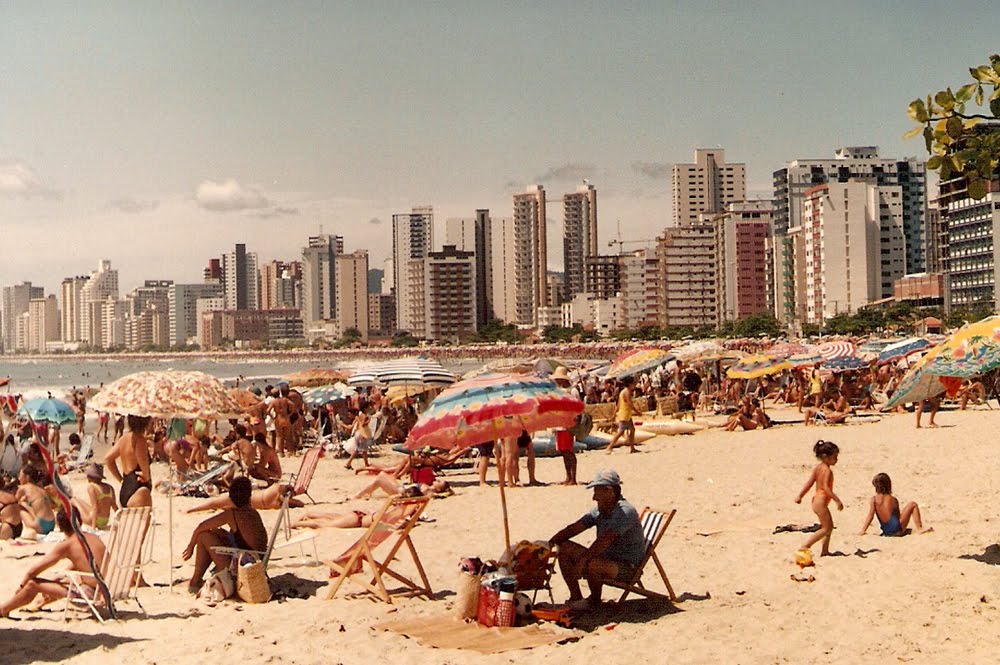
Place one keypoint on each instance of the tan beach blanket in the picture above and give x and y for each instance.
(445, 632)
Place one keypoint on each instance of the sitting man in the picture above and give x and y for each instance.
(70, 549)
(617, 551)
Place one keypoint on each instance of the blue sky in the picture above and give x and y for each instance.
(159, 134)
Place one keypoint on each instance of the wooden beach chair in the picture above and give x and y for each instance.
(301, 479)
(654, 524)
(390, 528)
(123, 561)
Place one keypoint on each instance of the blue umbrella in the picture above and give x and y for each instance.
(325, 394)
(902, 349)
(844, 364)
(47, 410)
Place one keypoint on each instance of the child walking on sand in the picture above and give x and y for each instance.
(886, 507)
(822, 478)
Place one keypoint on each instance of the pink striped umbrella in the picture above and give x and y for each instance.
(838, 349)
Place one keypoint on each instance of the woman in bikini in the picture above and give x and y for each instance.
(36, 507)
(97, 513)
(133, 450)
(822, 477)
(354, 519)
(10, 511)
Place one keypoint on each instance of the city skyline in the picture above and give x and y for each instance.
(157, 137)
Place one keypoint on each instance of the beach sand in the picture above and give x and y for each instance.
(921, 598)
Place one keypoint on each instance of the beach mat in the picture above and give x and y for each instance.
(445, 632)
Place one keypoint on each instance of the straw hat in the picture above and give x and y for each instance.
(560, 374)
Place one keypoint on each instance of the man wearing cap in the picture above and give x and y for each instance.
(616, 552)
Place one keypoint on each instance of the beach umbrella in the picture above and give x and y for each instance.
(806, 358)
(545, 366)
(902, 349)
(637, 361)
(844, 364)
(413, 372)
(971, 350)
(756, 366)
(837, 349)
(491, 407)
(246, 399)
(321, 395)
(786, 349)
(874, 346)
(167, 394)
(706, 351)
(47, 410)
(363, 378)
(310, 378)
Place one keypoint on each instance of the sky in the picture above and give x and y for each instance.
(158, 135)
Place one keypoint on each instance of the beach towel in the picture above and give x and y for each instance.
(445, 632)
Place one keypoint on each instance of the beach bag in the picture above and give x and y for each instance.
(251, 582)
(218, 587)
(467, 595)
(582, 426)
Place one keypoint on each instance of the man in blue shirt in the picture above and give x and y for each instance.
(618, 549)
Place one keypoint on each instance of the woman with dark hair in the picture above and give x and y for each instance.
(133, 450)
(246, 531)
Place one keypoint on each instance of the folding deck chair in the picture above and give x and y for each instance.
(300, 480)
(198, 483)
(392, 523)
(654, 524)
(281, 525)
(122, 564)
(84, 455)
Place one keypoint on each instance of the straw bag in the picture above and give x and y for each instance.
(251, 582)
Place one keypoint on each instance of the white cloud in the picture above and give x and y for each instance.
(133, 206)
(229, 195)
(18, 180)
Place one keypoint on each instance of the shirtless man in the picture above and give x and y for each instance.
(298, 418)
(70, 549)
(281, 409)
(266, 464)
(133, 450)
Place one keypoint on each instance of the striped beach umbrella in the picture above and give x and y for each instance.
(844, 364)
(902, 349)
(786, 349)
(837, 349)
(321, 395)
(756, 366)
(637, 361)
(804, 359)
(413, 372)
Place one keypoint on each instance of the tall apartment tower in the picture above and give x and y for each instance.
(43, 323)
(514, 289)
(102, 284)
(412, 241)
(474, 235)
(706, 186)
(745, 258)
(15, 303)
(450, 283)
(240, 279)
(579, 236)
(860, 163)
(352, 291)
(688, 267)
(281, 285)
(183, 300)
(71, 294)
(639, 278)
(529, 214)
(319, 278)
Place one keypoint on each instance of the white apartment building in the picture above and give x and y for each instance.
(639, 276)
(579, 236)
(319, 278)
(101, 285)
(688, 267)
(603, 315)
(43, 323)
(529, 218)
(412, 241)
(514, 274)
(706, 186)
(241, 279)
(183, 300)
(352, 291)
(15, 304)
(71, 297)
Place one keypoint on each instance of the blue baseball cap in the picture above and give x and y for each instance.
(607, 478)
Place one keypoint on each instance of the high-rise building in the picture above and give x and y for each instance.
(579, 236)
(743, 235)
(688, 267)
(529, 218)
(473, 235)
(450, 283)
(412, 241)
(240, 279)
(639, 275)
(281, 285)
(352, 291)
(101, 285)
(706, 186)
(603, 276)
(514, 293)
(183, 299)
(71, 292)
(319, 278)
(381, 313)
(849, 163)
(43, 323)
(15, 303)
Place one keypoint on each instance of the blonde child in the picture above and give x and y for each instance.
(822, 477)
(886, 507)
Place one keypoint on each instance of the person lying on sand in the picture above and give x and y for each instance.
(885, 507)
(354, 519)
(269, 498)
(393, 487)
(70, 549)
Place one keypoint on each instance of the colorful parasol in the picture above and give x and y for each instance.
(971, 350)
(310, 378)
(902, 349)
(837, 349)
(804, 359)
(321, 395)
(845, 364)
(706, 351)
(637, 361)
(47, 410)
(246, 399)
(786, 349)
(756, 366)
(167, 394)
(412, 372)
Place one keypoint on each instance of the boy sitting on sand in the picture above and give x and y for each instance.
(886, 507)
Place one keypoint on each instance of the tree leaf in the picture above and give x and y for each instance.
(970, 123)
(928, 137)
(965, 93)
(945, 100)
(979, 95)
(983, 73)
(917, 110)
(995, 107)
(945, 171)
(995, 61)
(916, 131)
(954, 127)
(934, 163)
(978, 188)
(995, 95)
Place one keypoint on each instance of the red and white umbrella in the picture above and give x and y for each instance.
(837, 349)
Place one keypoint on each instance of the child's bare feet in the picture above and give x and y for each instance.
(929, 529)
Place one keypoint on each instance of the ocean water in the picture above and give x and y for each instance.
(36, 377)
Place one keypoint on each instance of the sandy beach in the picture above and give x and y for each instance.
(921, 598)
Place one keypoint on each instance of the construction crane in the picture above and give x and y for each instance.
(621, 243)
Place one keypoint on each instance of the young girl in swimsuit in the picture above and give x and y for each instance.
(886, 507)
(102, 499)
(822, 477)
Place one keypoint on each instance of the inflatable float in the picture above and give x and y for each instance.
(669, 427)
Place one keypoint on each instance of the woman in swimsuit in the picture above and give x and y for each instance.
(133, 449)
(10, 512)
(246, 531)
(822, 477)
(885, 507)
(102, 499)
(36, 507)
(354, 519)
